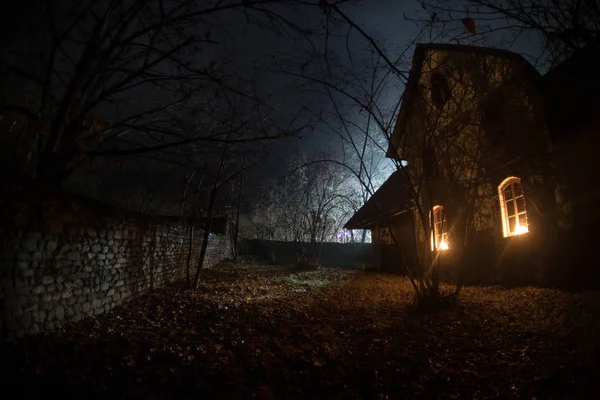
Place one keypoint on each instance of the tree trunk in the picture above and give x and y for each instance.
(211, 206)
(205, 238)
(237, 217)
(189, 255)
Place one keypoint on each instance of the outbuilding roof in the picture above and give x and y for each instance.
(391, 198)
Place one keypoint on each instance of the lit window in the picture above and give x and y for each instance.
(512, 207)
(439, 233)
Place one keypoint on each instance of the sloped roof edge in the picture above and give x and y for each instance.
(391, 198)
(415, 72)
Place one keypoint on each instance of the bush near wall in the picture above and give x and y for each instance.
(65, 257)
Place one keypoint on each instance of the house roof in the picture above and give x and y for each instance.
(570, 92)
(390, 199)
(571, 103)
(413, 78)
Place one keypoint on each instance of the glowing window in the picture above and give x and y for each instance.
(512, 207)
(439, 233)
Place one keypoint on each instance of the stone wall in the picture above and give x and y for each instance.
(341, 255)
(64, 258)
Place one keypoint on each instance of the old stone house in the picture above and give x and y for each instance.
(501, 165)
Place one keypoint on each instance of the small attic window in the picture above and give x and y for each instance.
(440, 90)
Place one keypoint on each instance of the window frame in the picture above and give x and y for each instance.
(514, 184)
(440, 91)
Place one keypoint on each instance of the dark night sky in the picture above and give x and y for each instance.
(383, 19)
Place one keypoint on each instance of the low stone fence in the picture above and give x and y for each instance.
(343, 255)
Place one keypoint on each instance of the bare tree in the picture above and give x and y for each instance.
(123, 78)
(307, 207)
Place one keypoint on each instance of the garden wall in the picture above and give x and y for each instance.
(66, 257)
(342, 255)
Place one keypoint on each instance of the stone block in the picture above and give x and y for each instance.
(51, 246)
(85, 307)
(59, 313)
(67, 294)
(74, 256)
(39, 289)
(56, 296)
(34, 330)
(46, 280)
(96, 248)
(46, 298)
(105, 286)
(41, 316)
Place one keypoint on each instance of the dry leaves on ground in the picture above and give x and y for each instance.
(263, 332)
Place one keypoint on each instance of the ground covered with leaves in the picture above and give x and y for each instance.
(264, 332)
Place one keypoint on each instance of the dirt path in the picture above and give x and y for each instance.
(272, 333)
